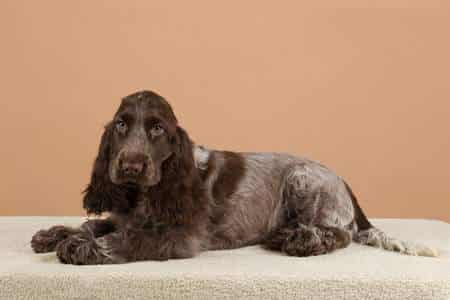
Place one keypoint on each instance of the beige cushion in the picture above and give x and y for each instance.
(358, 272)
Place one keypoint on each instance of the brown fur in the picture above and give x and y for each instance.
(46, 240)
(360, 218)
(301, 240)
(233, 171)
(159, 221)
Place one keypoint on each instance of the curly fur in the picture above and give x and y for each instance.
(101, 194)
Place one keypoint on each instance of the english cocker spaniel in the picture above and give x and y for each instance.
(169, 198)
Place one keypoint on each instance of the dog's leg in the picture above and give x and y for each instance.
(128, 246)
(302, 240)
(317, 214)
(98, 227)
(46, 240)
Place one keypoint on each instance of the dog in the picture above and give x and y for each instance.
(168, 198)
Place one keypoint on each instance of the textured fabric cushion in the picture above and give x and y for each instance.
(358, 272)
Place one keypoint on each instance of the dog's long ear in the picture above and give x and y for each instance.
(181, 164)
(184, 150)
(102, 195)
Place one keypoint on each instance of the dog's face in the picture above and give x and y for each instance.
(142, 147)
(143, 136)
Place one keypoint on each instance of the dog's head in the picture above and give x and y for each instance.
(143, 136)
(139, 147)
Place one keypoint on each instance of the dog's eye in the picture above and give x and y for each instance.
(157, 130)
(121, 126)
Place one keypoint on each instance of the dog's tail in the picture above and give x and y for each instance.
(369, 235)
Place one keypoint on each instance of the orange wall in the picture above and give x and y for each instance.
(363, 87)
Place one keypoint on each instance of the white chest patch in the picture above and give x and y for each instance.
(201, 157)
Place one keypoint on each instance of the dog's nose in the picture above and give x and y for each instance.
(132, 164)
(132, 169)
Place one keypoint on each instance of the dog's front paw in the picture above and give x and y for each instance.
(46, 240)
(81, 249)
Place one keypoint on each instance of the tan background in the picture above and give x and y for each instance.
(362, 87)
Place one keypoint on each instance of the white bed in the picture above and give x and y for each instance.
(358, 272)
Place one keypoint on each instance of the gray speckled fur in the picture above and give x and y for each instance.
(274, 183)
(277, 187)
